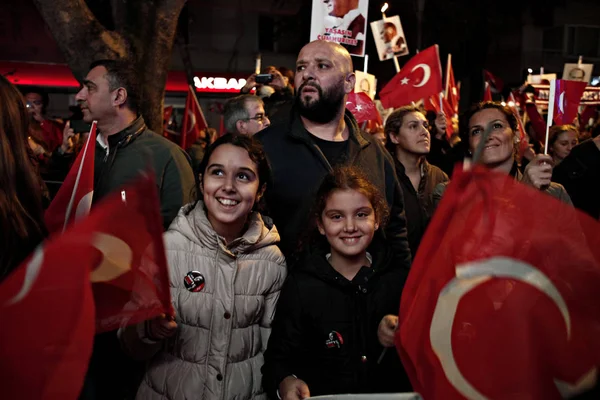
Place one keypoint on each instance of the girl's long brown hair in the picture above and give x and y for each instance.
(21, 210)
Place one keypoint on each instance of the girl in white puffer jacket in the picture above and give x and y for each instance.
(225, 276)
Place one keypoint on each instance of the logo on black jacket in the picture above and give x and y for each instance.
(194, 281)
(335, 340)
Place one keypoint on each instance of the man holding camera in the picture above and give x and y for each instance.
(274, 89)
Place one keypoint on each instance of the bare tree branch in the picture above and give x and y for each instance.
(79, 35)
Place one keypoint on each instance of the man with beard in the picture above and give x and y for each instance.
(318, 135)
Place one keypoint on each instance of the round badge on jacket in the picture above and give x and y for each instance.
(194, 281)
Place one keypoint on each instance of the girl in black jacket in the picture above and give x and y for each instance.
(324, 335)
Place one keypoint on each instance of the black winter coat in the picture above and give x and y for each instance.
(298, 167)
(325, 329)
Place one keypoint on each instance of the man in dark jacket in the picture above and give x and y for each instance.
(125, 145)
(579, 173)
(320, 134)
(124, 148)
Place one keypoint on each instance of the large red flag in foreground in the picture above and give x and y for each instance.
(193, 120)
(131, 282)
(74, 198)
(420, 78)
(47, 313)
(362, 107)
(502, 299)
(567, 98)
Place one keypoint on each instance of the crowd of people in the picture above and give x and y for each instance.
(288, 243)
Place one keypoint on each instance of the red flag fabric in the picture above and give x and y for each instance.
(487, 93)
(433, 104)
(452, 93)
(567, 98)
(589, 112)
(494, 81)
(168, 112)
(537, 122)
(420, 78)
(47, 334)
(193, 120)
(131, 283)
(362, 107)
(74, 198)
(501, 301)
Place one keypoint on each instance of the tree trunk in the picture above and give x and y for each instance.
(144, 34)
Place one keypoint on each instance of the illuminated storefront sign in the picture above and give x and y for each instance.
(219, 83)
(60, 76)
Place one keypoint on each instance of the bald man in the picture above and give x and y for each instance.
(317, 135)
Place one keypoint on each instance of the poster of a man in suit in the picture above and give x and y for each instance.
(389, 38)
(341, 21)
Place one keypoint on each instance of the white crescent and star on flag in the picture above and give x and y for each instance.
(468, 277)
(426, 75)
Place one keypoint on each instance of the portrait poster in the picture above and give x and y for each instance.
(341, 21)
(389, 38)
(578, 72)
(365, 83)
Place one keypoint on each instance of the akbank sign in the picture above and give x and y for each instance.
(219, 84)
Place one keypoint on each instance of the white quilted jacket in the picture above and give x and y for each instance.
(223, 329)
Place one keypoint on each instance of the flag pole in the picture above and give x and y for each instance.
(448, 66)
(551, 99)
(85, 150)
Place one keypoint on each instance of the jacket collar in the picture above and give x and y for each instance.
(298, 131)
(193, 223)
(126, 135)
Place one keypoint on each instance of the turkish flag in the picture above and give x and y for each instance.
(47, 312)
(502, 298)
(537, 122)
(523, 137)
(452, 93)
(362, 107)
(497, 83)
(566, 100)
(131, 281)
(433, 104)
(193, 120)
(487, 93)
(420, 78)
(74, 198)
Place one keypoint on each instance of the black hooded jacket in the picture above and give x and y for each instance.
(325, 328)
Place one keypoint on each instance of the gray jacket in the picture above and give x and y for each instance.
(555, 190)
(223, 329)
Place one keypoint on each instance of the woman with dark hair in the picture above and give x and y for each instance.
(500, 151)
(409, 141)
(226, 273)
(21, 210)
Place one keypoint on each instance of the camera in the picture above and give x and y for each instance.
(264, 78)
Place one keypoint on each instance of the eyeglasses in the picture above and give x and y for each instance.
(258, 117)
